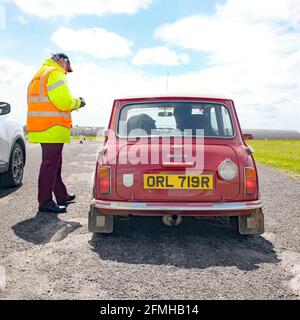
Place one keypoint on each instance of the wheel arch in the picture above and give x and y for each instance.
(18, 139)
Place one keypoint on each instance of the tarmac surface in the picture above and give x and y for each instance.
(46, 256)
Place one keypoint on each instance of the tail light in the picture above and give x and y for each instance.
(104, 180)
(250, 181)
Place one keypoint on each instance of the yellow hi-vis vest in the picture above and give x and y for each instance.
(42, 114)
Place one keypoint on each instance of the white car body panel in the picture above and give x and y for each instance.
(10, 131)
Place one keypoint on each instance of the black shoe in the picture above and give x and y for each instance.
(54, 209)
(71, 197)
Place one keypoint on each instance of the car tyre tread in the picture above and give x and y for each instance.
(7, 179)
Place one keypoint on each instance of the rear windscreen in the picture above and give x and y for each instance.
(175, 119)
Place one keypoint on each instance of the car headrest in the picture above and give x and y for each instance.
(143, 122)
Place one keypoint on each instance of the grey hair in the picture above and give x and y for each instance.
(55, 57)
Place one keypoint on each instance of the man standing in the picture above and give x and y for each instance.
(49, 122)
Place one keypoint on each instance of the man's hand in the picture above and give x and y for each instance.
(83, 103)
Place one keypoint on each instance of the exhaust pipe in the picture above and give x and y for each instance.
(172, 221)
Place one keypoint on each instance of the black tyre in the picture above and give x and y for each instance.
(14, 176)
(234, 224)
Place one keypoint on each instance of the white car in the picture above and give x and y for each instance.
(12, 149)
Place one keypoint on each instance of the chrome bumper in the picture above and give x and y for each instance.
(179, 206)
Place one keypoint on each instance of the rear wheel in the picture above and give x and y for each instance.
(14, 176)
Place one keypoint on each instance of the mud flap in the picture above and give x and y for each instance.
(252, 224)
(100, 223)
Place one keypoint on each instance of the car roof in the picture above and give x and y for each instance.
(174, 95)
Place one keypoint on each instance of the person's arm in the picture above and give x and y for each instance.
(59, 92)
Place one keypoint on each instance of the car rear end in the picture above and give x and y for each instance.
(174, 157)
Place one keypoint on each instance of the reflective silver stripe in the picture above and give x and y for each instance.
(76, 104)
(41, 97)
(38, 99)
(42, 82)
(56, 85)
(48, 114)
(28, 94)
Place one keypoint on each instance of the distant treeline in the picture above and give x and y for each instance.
(259, 134)
(87, 131)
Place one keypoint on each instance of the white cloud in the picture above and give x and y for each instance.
(96, 42)
(253, 56)
(13, 86)
(229, 40)
(68, 9)
(272, 107)
(98, 85)
(159, 56)
(249, 29)
(267, 10)
(101, 85)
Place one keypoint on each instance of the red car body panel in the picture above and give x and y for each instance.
(216, 150)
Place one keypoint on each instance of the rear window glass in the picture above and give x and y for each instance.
(175, 119)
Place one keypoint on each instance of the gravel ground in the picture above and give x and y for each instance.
(54, 257)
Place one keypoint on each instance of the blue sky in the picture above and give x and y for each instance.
(38, 31)
(248, 50)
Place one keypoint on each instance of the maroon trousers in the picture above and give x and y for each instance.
(50, 180)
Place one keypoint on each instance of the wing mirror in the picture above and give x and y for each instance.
(248, 136)
(105, 134)
(4, 108)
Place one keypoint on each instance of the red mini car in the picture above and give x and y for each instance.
(176, 157)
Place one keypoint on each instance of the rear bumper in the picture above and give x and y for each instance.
(176, 206)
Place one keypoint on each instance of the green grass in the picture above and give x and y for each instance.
(280, 154)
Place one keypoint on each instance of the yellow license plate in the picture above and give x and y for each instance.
(178, 181)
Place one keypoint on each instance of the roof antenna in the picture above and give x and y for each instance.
(167, 83)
